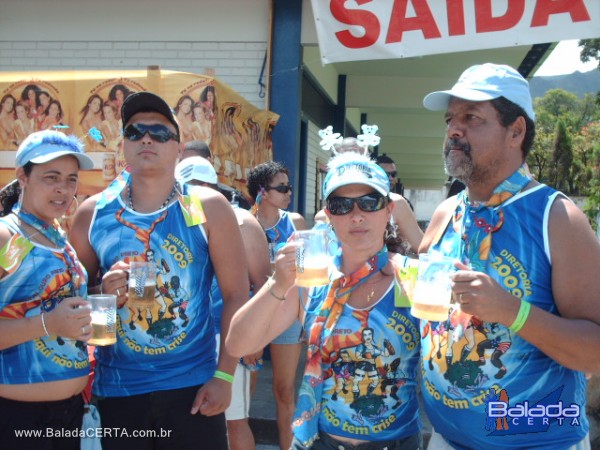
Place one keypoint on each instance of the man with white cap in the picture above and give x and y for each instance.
(198, 171)
(162, 376)
(528, 326)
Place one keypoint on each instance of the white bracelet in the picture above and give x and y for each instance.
(44, 325)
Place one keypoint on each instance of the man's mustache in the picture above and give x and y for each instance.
(453, 144)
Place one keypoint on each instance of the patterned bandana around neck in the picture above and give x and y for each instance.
(53, 232)
(76, 275)
(476, 222)
(305, 425)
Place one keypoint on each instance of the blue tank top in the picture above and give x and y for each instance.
(38, 278)
(486, 362)
(282, 230)
(172, 344)
(369, 389)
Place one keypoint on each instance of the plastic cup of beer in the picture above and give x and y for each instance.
(312, 260)
(433, 292)
(142, 283)
(104, 319)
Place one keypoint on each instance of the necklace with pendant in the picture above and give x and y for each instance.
(164, 205)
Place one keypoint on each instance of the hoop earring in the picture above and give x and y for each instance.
(70, 212)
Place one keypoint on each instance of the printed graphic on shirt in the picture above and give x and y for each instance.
(369, 388)
(28, 292)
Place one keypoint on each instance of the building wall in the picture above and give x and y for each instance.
(236, 63)
(127, 34)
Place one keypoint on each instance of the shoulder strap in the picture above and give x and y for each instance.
(438, 223)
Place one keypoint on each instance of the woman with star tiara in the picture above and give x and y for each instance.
(45, 322)
(359, 384)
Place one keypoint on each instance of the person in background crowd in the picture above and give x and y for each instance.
(163, 372)
(455, 187)
(44, 319)
(359, 386)
(201, 148)
(198, 171)
(269, 186)
(409, 234)
(527, 285)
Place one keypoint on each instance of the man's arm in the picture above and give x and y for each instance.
(571, 339)
(228, 257)
(406, 221)
(79, 239)
(257, 249)
(257, 253)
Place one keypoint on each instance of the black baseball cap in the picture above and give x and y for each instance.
(146, 102)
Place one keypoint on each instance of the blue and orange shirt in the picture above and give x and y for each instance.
(370, 371)
(470, 370)
(170, 344)
(38, 278)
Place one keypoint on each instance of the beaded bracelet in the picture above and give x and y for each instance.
(269, 283)
(522, 316)
(44, 325)
(223, 376)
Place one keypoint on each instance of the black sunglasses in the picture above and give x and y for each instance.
(338, 206)
(392, 174)
(284, 189)
(157, 132)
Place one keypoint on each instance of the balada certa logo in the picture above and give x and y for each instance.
(505, 419)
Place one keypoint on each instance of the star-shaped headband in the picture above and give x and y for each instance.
(331, 140)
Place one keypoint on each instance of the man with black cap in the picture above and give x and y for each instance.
(162, 374)
(528, 326)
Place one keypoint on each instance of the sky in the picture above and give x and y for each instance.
(564, 59)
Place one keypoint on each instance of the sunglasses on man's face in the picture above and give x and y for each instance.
(157, 132)
(284, 189)
(392, 174)
(339, 206)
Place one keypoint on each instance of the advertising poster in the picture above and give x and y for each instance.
(88, 104)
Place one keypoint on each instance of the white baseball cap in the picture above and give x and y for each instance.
(195, 168)
(485, 82)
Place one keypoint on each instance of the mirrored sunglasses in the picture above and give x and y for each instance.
(284, 189)
(157, 132)
(339, 206)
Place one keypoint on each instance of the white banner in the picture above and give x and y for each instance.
(355, 30)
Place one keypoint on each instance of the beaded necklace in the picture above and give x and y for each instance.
(164, 205)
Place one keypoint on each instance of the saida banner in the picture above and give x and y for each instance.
(387, 29)
(88, 104)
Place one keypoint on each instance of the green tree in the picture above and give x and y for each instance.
(590, 50)
(562, 159)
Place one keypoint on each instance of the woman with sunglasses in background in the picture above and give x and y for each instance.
(268, 184)
(359, 383)
(44, 320)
